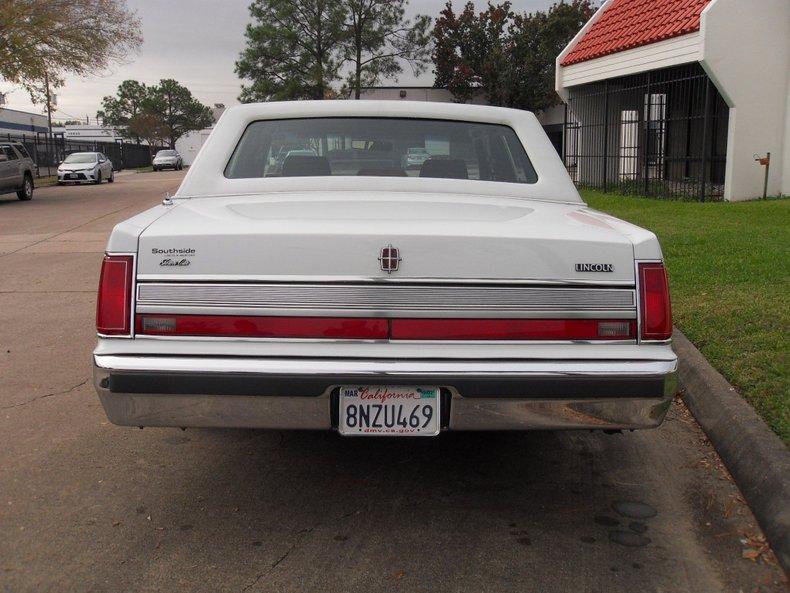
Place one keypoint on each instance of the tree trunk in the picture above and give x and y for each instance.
(358, 73)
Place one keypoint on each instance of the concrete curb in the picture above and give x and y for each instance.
(754, 455)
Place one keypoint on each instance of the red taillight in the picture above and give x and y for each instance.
(114, 305)
(656, 311)
(511, 329)
(382, 329)
(248, 326)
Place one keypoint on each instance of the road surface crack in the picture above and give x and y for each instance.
(38, 397)
(300, 537)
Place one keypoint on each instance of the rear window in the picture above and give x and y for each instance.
(382, 147)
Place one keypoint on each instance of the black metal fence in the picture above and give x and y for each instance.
(661, 133)
(48, 151)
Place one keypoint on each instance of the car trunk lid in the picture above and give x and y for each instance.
(340, 236)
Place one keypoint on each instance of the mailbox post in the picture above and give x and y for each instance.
(765, 161)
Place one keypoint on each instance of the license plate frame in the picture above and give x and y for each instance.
(382, 410)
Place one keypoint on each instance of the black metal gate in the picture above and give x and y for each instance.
(48, 151)
(661, 133)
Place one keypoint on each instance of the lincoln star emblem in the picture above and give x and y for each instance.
(389, 259)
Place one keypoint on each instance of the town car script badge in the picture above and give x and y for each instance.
(389, 259)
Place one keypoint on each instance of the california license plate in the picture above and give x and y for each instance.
(374, 410)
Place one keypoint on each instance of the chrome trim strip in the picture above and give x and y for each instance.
(262, 278)
(387, 313)
(386, 368)
(379, 300)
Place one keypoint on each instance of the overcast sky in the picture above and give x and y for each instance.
(197, 43)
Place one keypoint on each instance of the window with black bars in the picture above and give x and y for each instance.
(661, 133)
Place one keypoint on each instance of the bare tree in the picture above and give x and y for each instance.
(48, 39)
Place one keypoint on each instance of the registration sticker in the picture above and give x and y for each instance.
(376, 410)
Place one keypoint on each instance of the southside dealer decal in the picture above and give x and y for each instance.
(178, 257)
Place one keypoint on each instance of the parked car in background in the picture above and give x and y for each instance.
(16, 170)
(477, 293)
(415, 157)
(168, 159)
(278, 157)
(90, 167)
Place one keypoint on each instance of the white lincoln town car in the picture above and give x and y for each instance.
(338, 289)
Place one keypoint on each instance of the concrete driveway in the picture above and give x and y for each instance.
(88, 506)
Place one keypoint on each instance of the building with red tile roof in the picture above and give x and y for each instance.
(626, 24)
(678, 98)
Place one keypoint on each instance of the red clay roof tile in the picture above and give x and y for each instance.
(626, 24)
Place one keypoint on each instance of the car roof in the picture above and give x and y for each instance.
(206, 175)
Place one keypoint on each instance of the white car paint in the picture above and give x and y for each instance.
(167, 159)
(239, 232)
(99, 166)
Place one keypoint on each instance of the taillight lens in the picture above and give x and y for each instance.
(654, 302)
(114, 304)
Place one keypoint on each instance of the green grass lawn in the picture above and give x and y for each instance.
(729, 267)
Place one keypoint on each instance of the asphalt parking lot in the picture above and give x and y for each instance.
(88, 506)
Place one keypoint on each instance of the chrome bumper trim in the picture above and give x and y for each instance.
(385, 368)
(520, 409)
(382, 299)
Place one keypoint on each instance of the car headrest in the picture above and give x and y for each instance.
(444, 168)
(299, 165)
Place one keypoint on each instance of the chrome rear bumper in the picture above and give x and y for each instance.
(300, 394)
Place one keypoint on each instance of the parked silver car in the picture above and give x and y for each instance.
(16, 170)
(165, 159)
(79, 167)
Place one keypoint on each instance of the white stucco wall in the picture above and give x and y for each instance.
(746, 52)
(189, 145)
(786, 166)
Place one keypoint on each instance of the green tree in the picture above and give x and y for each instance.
(149, 126)
(121, 110)
(177, 109)
(293, 49)
(162, 112)
(509, 57)
(48, 39)
(470, 51)
(536, 41)
(380, 39)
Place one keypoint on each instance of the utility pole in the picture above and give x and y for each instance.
(49, 121)
(49, 104)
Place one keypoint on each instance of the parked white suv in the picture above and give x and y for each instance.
(81, 167)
